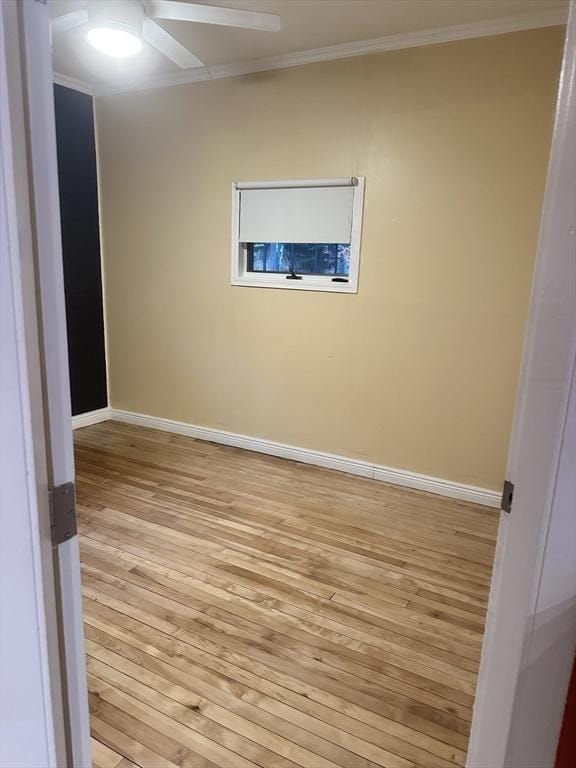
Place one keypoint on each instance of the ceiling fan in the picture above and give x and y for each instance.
(118, 27)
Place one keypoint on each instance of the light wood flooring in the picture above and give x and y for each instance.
(243, 610)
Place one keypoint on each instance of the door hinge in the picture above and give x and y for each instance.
(62, 512)
(507, 496)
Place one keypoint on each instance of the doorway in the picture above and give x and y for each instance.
(172, 448)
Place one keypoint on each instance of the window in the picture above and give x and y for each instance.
(299, 258)
(297, 234)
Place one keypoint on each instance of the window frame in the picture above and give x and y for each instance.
(240, 276)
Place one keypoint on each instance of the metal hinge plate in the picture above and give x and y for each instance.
(507, 496)
(62, 512)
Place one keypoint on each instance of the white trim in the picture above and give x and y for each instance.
(72, 82)
(43, 169)
(346, 50)
(528, 648)
(356, 234)
(239, 276)
(435, 485)
(91, 417)
(101, 237)
(306, 283)
(182, 77)
(439, 486)
(346, 181)
(33, 725)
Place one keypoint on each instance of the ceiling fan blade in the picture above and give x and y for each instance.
(158, 37)
(69, 21)
(212, 14)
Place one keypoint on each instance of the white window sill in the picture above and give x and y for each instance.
(305, 284)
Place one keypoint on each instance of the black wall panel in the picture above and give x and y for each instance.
(81, 248)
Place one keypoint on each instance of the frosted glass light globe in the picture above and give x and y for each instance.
(114, 42)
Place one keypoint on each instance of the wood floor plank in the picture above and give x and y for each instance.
(289, 627)
(427, 720)
(242, 610)
(284, 600)
(314, 735)
(103, 756)
(250, 686)
(184, 724)
(122, 741)
(273, 749)
(162, 612)
(407, 683)
(147, 730)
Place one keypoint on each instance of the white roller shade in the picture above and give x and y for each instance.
(296, 214)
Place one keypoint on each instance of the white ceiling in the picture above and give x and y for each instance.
(306, 24)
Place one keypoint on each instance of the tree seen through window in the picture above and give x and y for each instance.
(299, 258)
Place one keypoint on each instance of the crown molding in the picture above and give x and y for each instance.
(393, 43)
(72, 82)
(184, 77)
(346, 50)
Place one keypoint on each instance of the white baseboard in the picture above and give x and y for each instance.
(91, 417)
(439, 486)
(436, 485)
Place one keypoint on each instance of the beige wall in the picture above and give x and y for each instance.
(418, 370)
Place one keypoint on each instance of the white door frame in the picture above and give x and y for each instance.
(503, 714)
(32, 101)
(32, 726)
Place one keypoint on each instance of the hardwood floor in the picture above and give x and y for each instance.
(243, 610)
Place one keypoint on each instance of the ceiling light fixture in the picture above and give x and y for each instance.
(114, 42)
(120, 27)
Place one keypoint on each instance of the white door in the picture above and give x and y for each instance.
(531, 628)
(31, 109)
(31, 700)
